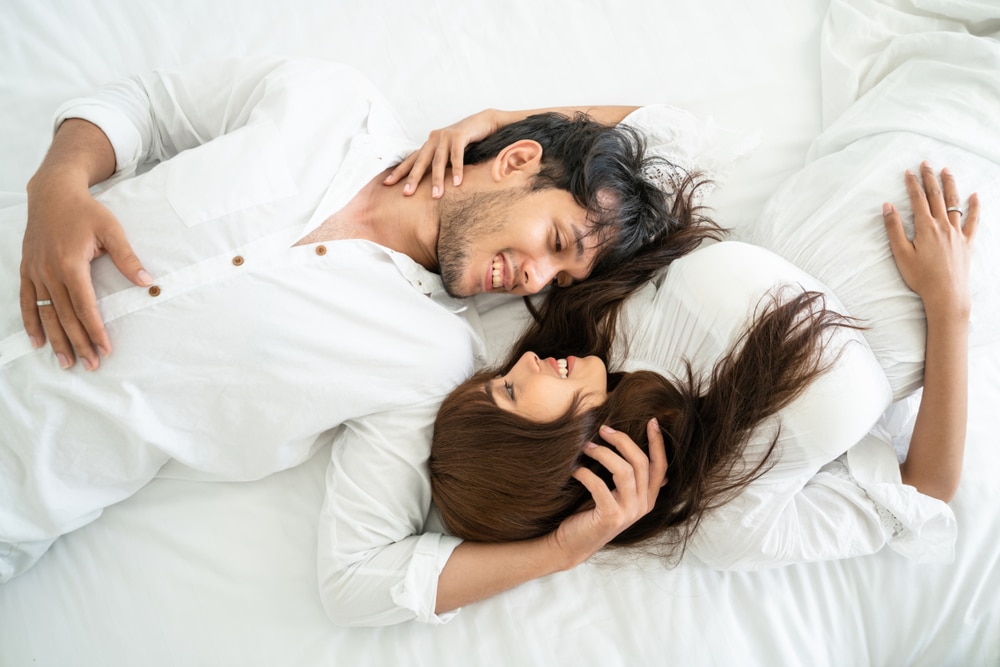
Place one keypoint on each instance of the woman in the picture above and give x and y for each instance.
(509, 444)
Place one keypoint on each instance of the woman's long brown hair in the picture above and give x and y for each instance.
(498, 477)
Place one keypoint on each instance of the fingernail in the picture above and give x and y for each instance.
(590, 445)
(144, 277)
(655, 422)
(946, 172)
(63, 360)
(101, 351)
(435, 192)
(88, 364)
(886, 208)
(457, 180)
(607, 429)
(35, 343)
(408, 188)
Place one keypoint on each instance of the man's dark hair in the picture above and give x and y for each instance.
(650, 224)
(602, 167)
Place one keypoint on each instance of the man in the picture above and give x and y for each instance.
(281, 304)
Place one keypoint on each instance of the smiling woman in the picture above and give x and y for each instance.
(503, 459)
(757, 424)
(543, 389)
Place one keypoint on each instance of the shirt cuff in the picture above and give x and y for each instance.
(120, 131)
(418, 589)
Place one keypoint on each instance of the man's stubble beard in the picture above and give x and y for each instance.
(463, 218)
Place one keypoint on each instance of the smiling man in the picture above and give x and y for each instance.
(286, 299)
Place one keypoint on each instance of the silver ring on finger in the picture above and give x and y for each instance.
(43, 302)
(955, 209)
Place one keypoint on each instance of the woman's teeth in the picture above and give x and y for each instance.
(497, 272)
(563, 368)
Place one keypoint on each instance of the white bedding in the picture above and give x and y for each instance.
(189, 573)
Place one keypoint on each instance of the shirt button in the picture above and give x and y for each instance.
(321, 250)
(238, 260)
(154, 291)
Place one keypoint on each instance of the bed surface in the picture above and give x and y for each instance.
(189, 573)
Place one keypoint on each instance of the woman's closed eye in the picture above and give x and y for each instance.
(510, 389)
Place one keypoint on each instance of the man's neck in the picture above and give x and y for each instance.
(381, 214)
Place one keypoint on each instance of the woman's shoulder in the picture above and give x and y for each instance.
(705, 300)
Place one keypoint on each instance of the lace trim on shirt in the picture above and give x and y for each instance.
(891, 525)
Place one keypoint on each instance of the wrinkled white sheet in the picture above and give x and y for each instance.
(224, 574)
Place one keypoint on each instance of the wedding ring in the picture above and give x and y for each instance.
(43, 302)
(955, 209)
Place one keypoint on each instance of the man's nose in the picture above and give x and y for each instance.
(537, 274)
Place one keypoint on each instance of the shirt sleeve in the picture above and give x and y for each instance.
(152, 117)
(821, 500)
(377, 566)
(683, 142)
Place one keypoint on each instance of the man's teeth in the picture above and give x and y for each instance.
(563, 368)
(497, 272)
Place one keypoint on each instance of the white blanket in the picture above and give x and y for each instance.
(189, 573)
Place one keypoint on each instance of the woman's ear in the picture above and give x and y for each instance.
(521, 159)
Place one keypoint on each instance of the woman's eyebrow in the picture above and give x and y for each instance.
(489, 388)
(578, 239)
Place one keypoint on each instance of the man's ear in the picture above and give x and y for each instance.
(521, 159)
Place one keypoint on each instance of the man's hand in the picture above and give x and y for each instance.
(67, 229)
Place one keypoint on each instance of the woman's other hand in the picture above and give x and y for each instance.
(935, 263)
(637, 480)
(443, 147)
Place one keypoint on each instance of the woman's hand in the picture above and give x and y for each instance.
(445, 146)
(935, 264)
(637, 479)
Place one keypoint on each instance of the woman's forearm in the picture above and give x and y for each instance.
(934, 462)
(476, 571)
(604, 114)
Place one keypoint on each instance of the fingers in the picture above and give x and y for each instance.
(439, 166)
(418, 169)
(951, 200)
(457, 163)
(401, 169)
(657, 456)
(898, 241)
(41, 321)
(932, 192)
(918, 200)
(116, 244)
(632, 466)
(602, 495)
(443, 148)
(972, 218)
(635, 475)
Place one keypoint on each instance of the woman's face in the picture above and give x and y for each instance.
(543, 389)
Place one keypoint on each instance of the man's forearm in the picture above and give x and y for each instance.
(80, 154)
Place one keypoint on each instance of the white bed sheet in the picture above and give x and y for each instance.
(190, 573)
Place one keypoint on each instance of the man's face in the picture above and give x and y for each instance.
(513, 240)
